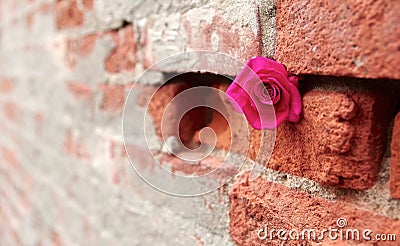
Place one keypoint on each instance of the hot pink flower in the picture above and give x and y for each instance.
(266, 94)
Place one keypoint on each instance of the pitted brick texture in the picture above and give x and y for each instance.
(113, 99)
(68, 14)
(6, 85)
(395, 160)
(259, 202)
(79, 48)
(340, 140)
(123, 56)
(192, 121)
(342, 38)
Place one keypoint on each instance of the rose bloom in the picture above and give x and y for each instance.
(266, 94)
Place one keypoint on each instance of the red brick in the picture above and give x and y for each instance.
(69, 143)
(113, 97)
(80, 48)
(253, 204)
(43, 8)
(29, 18)
(88, 4)
(56, 239)
(221, 127)
(358, 38)
(195, 119)
(395, 160)
(80, 90)
(123, 56)
(208, 165)
(67, 14)
(10, 158)
(340, 140)
(240, 42)
(192, 121)
(11, 110)
(74, 146)
(6, 85)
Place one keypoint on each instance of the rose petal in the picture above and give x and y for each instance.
(268, 117)
(237, 96)
(247, 94)
(284, 103)
(295, 99)
(281, 117)
(294, 80)
(276, 75)
(259, 94)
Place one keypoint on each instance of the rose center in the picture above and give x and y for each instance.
(269, 90)
(272, 90)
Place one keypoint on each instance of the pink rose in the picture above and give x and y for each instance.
(262, 87)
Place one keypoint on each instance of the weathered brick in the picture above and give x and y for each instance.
(67, 14)
(88, 4)
(10, 158)
(240, 42)
(236, 32)
(113, 97)
(192, 121)
(254, 204)
(56, 239)
(6, 85)
(75, 146)
(11, 110)
(342, 38)
(208, 165)
(123, 56)
(395, 160)
(43, 8)
(80, 90)
(340, 140)
(79, 48)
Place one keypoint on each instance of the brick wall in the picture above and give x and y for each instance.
(67, 66)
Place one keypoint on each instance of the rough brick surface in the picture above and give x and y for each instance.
(226, 37)
(362, 42)
(340, 141)
(6, 85)
(79, 48)
(80, 90)
(232, 27)
(259, 202)
(68, 14)
(113, 97)
(192, 121)
(123, 55)
(395, 161)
